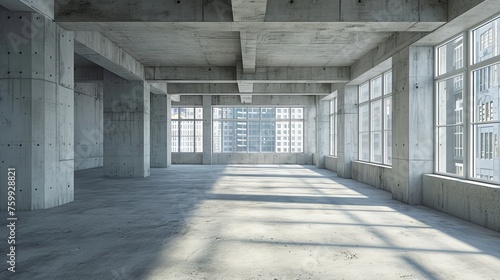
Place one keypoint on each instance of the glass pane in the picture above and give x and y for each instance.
(217, 128)
(199, 113)
(228, 113)
(388, 114)
(376, 88)
(268, 113)
(199, 144)
(268, 144)
(388, 147)
(175, 113)
(175, 128)
(376, 120)
(187, 145)
(175, 144)
(187, 128)
(199, 128)
(282, 128)
(364, 92)
(364, 118)
(486, 41)
(217, 113)
(450, 102)
(364, 146)
(487, 94)
(186, 113)
(268, 129)
(254, 113)
(254, 144)
(376, 147)
(297, 136)
(451, 56)
(228, 140)
(241, 136)
(448, 143)
(254, 129)
(297, 113)
(282, 113)
(217, 144)
(241, 113)
(486, 159)
(388, 83)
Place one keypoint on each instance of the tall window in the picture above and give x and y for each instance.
(187, 130)
(333, 127)
(258, 130)
(375, 120)
(468, 123)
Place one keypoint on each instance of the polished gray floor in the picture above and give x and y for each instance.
(245, 222)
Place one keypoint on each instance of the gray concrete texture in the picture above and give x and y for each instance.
(36, 110)
(246, 222)
(89, 126)
(127, 127)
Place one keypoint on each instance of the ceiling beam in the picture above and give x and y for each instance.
(44, 7)
(103, 52)
(251, 11)
(303, 26)
(244, 10)
(258, 89)
(248, 41)
(325, 75)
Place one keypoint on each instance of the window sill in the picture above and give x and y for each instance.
(464, 181)
(373, 164)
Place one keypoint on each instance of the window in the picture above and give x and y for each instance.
(258, 130)
(333, 127)
(187, 130)
(467, 119)
(375, 120)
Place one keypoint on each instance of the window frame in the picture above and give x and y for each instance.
(277, 121)
(179, 136)
(334, 126)
(369, 103)
(471, 150)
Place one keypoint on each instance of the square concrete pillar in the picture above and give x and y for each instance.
(207, 130)
(347, 123)
(413, 125)
(322, 131)
(36, 110)
(126, 127)
(160, 134)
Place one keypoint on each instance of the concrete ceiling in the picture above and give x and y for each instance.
(240, 46)
(261, 33)
(307, 48)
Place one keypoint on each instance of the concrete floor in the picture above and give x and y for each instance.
(245, 222)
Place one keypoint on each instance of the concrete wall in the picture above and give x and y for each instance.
(36, 110)
(378, 176)
(331, 163)
(160, 131)
(126, 127)
(472, 201)
(187, 158)
(88, 125)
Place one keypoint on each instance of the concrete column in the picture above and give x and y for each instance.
(310, 132)
(413, 99)
(207, 129)
(126, 127)
(322, 131)
(88, 125)
(160, 111)
(36, 110)
(347, 123)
